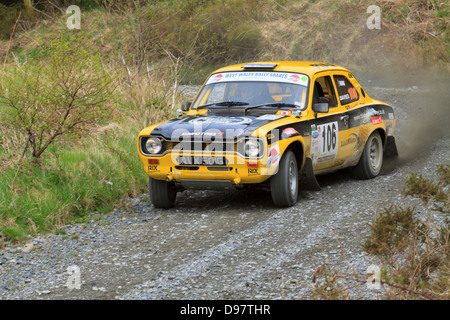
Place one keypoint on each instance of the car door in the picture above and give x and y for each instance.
(349, 100)
(327, 129)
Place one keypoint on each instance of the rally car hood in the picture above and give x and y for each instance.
(205, 127)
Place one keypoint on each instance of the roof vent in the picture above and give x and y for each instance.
(260, 66)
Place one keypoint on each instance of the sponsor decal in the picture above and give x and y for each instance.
(221, 120)
(290, 131)
(353, 94)
(285, 77)
(360, 117)
(391, 116)
(297, 112)
(203, 134)
(217, 77)
(389, 127)
(344, 97)
(153, 168)
(314, 132)
(294, 78)
(341, 83)
(325, 158)
(368, 115)
(274, 156)
(269, 117)
(353, 138)
(376, 120)
(314, 144)
(253, 171)
(252, 164)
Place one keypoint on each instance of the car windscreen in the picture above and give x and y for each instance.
(254, 89)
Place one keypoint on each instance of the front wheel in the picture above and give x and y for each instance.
(162, 193)
(369, 166)
(284, 184)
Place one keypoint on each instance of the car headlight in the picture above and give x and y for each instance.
(251, 148)
(153, 145)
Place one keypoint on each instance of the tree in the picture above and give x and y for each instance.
(63, 92)
(28, 4)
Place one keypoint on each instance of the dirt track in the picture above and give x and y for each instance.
(232, 245)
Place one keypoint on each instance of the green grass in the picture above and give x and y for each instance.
(70, 184)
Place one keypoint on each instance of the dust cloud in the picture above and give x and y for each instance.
(427, 121)
(421, 101)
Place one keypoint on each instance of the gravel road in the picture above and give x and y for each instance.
(229, 245)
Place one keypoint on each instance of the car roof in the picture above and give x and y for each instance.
(306, 67)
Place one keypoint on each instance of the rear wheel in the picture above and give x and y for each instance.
(369, 166)
(284, 184)
(162, 193)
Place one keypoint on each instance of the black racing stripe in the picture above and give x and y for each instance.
(356, 117)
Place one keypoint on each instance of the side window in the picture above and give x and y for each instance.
(346, 91)
(324, 92)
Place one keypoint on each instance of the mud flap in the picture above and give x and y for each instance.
(307, 180)
(390, 150)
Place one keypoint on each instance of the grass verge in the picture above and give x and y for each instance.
(73, 181)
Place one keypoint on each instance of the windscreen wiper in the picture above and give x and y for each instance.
(224, 104)
(273, 104)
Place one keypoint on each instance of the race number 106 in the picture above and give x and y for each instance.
(329, 137)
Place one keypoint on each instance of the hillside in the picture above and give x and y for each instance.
(203, 35)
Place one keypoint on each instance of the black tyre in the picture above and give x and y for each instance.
(369, 166)
(284, 184)
(162, 193)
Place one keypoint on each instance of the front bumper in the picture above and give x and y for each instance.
(237, 171)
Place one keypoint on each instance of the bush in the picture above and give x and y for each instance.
(414, 249)
(62, 92)
(202, 32)
(393, 230)
(8, 17)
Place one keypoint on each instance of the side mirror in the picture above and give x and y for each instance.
(185, 106)
(320, 107)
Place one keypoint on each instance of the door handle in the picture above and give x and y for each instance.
(344, 118)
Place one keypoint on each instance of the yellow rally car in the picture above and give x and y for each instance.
(271, 124)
